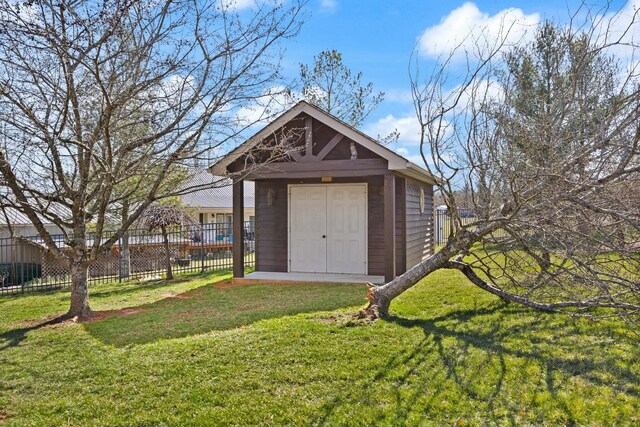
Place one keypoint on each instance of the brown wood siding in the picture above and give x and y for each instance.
(375, 233)
(419, 229)
(294, 130)
(272, 223)
(271, 227)
(343, 151)
(322, 134)
(401, 247)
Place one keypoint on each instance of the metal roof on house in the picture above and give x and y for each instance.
(216, 192)
(16, 217)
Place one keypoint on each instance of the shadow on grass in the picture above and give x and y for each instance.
(214, 307)
(14, 337)
(476, 354)
(135, 287)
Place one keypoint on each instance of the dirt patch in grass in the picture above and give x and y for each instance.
(219, 306)
(176, 295)
(106, 314)
(224, 284)
(345, 320)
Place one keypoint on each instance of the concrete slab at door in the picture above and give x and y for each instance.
(308, 222)
(347, 229)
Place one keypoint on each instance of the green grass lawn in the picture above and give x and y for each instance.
(191, 353)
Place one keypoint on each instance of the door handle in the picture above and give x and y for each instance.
(324, 236)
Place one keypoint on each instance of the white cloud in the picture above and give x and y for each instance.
(398, 95)
(415, 158)
(477, 94)
(328, 5)
(237, 4)
(407, 126)
(467, 26)
(274, 101)
(622, 28)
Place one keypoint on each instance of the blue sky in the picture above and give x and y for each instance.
(377, 37)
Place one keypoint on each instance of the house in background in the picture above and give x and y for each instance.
(16, 222)
(335, 206)
(21, 259)
(214, 205)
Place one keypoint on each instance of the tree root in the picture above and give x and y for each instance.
(85, 316)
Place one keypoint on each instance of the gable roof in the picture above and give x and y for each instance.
(395, 161)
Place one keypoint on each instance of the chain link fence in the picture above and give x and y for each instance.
(26, 264)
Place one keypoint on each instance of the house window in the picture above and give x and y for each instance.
(224, 223)
(201, 218)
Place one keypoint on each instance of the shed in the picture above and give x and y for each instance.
(331, 203)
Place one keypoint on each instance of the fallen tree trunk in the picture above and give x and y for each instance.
(380, 297)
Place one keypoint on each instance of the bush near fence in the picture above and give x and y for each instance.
(25, 263)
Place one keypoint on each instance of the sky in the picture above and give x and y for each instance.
(377, 37)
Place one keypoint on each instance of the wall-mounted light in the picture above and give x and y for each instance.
(271, 196)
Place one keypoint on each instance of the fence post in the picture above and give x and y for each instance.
(14, 271)
(203, 226)
(120, 259)
(22, 267)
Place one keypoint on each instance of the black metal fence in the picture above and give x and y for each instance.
(442, 224)
(26, 265)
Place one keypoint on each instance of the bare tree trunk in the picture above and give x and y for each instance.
(79, 277)
(79, 291)
(380, 297)
(125, 255)
(125, 261)
(167, 253)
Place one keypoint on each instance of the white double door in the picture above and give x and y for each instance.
(328, 228)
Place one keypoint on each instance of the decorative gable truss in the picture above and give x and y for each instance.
(307, 142)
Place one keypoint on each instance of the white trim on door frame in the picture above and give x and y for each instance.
(366, 217)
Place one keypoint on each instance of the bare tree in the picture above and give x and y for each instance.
(163, 217)
(546, 136)
(102, 99)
